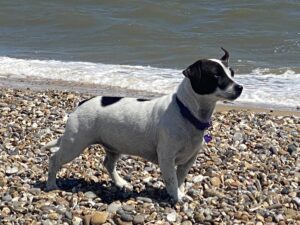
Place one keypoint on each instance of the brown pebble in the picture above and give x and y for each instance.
(87, 219)
(121, 222)
(215, 181)
(99, 218)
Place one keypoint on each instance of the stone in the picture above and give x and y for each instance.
(243, 147)
(138, 219)
(237, 137)
(11, 170)
(113, 207)
(90, 195)
(171, 217)
(198, 178)
(144, 199)
(99, 218)
(87, 219)
(273, 150)
(126, 217)
(285, 191)
(292, 149)
(121, 222)
(76, 221)
(3, 181)
(6, 197)
(187, 222)
(128, 208)
(215, 181)
(297, 201)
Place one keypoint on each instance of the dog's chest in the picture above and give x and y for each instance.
(191, 148)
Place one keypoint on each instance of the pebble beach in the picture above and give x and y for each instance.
(248, 174)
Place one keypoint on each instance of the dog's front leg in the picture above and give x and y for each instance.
(182, 171)
(166, 159)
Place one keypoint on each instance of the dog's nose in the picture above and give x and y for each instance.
(238, 88)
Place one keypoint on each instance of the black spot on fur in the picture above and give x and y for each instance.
(142, 99)
(206, 76)
(105, 101)
(83, 101)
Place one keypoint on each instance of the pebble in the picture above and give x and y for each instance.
(99, 218)
(187, 222)
(113, 207)
(126, 217)
(76, 221)
(297, 201)
(171, 217)
(249, 172)
(138, 219)
(11, 170)
(144, 199)
(292, 149)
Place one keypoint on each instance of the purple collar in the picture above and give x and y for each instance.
(186, 113)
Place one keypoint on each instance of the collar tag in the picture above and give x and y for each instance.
(207, 138)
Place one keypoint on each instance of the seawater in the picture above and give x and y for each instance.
(145, 44)
(261, 87)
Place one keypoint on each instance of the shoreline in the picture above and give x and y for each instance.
(96, 89)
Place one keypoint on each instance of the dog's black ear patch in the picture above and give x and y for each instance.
(142, 99)
(106, 100)
(83, 101)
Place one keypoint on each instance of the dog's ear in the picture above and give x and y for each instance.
(225, 57)
(193, 70)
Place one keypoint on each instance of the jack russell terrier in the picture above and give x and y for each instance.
(168, 130)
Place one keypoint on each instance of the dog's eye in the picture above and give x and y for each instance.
(232, 72)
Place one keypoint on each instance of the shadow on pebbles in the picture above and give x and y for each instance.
(249, 173)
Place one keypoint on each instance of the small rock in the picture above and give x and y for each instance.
(171, 217)
(3, 181)
(273, 150)
(128, 208)
(90, 195)
(6, 198)
(237, 137)
(243, 147)
(285, 190)
(297, 201)
(76, 220)
(47, 222)
(144, 199)
(186, 222)
(292, 149)
(113, 207)
(199, 217)
(34, 126)
(215, 181)
(126, 217)
(279, 217)
(11, 170)
(198, 178)
(99, 218)
(87, 219)
(138, 219)
(121, 222)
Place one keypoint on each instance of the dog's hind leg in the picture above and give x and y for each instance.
(69, 149)
(110, 162)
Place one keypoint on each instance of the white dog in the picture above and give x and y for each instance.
(167, 131)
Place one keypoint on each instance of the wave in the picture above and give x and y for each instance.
(261, 86)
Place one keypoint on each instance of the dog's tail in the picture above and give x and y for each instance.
(51, 144)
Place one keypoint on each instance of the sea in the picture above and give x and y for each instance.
(145, 44)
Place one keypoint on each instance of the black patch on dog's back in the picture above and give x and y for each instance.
(142, 99)
(83, 101)
(106, 100)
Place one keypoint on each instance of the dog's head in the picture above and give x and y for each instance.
(214, 77)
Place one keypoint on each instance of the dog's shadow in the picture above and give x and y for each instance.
(108, 192)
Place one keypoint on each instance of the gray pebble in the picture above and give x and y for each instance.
(138, 219)
(113, 207)
(297, 201)
(126, 217)
(144, 199)
(6, 198)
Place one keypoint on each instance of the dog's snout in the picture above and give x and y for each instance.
(238, 88)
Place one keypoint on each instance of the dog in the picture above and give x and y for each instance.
(167, 131)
